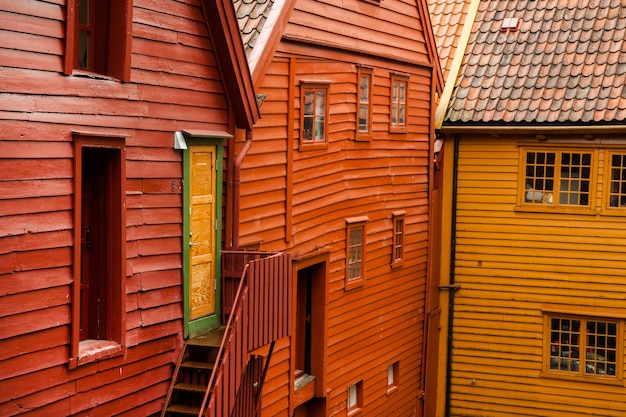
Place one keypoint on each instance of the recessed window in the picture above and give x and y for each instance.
(98, 289)
(398, 99)
(355, 251)
(355, 398)
(314, 115)
(583, 346)
(393, 373)
(364, 119)
(559, 178)
(398, 238)
(98, 37)
(617, 188)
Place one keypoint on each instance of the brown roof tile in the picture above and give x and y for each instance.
(448, 18)
(565, 64)
(252, 15)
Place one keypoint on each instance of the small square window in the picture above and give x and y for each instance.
(398, 238)
(355, 251)
(398, 103)
(355, 398)
(314, 115)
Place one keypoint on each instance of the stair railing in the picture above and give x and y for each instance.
(260, 314)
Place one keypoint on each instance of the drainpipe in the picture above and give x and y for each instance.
(452, 285)
(237, 186)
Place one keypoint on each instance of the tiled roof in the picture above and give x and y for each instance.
(252, 15)
(447, 18)
(566, 63)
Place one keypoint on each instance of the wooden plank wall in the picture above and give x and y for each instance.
(510, 264)
(175, 84)
(372, 327)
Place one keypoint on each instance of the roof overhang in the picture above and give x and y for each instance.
(223, 27)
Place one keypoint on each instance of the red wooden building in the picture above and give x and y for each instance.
(116, 117)
(136, 168)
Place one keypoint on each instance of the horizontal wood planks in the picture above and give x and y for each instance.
(175, 84)
(371, 327)
(512, 265)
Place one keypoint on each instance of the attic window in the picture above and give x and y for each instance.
(510, 24)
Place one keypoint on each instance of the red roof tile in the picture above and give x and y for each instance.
(565, 64)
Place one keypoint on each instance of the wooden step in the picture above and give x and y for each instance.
(186, 410)
(210, 339)
(185, 386)
(205, 366)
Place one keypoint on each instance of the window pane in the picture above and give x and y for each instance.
(564, 345)
(617, 189)
(363, 118)
(83, 12)
(539, 182)
(83, 49)
(364, 89)
(575, 174)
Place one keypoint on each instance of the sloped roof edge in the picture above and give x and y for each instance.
(455, 66)
(431, 44)
(221, 22)
(270, 37)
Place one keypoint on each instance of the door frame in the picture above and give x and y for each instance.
(193, 328)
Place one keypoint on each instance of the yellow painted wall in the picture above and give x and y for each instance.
(512, 265)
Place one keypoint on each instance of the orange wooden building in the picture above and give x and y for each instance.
(338, 174)
(534, 117)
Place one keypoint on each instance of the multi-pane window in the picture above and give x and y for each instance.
(314, 114)
(399, 92)
(617, 188)
(364, 125)
(355, 251)
(583, 346)
(398, 237)
(557, 178)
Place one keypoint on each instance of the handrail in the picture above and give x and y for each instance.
(260, 315)
(226, 337)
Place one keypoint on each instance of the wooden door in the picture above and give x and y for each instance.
(202, 203)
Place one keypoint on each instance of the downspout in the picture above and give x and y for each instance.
(237, 186)
(452, 284)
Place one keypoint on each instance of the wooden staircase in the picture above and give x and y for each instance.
(216, 375)
(192, 374)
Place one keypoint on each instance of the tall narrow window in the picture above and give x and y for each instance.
(393, 376)
(398, 238)
(98, 37)
(314, 115)
(364, 120)
(398, 98)
(617, 189)
(98, 291)
(355, 398)
(355, 251)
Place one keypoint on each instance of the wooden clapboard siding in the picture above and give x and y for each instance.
(512, 264)
(315, 191)
(175, 84)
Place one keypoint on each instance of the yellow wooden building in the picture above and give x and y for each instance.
(533, 271)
